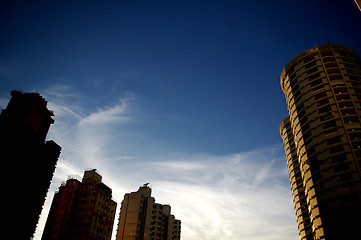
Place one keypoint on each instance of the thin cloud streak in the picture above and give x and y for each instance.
(235, 196)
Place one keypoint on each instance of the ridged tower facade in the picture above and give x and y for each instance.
(322, 140)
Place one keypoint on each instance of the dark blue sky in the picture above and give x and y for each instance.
(213, 64)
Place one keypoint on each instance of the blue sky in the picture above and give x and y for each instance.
(182, 94)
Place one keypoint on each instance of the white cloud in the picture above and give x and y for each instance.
(115, 114)
(235, 196)
(3, 103)
(228, 197)
(106, 116)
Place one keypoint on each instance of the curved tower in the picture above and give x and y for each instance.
(322, 140)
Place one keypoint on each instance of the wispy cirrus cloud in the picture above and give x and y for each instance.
(113, 114)
(3, 102)
(84, 135)
(232, 197)
(235, 196)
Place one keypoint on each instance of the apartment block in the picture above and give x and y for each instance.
(143, 219)
(81, 209)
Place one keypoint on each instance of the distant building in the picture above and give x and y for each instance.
(27, 162)
(81, 210)
(143, 219)
(322, 141)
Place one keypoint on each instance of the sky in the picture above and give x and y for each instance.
(184, 95)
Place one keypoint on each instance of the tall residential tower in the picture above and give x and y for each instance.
(27, 162)
(143, 219)
(322, 141)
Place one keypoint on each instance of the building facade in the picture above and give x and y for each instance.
(28, 162)
(322, 140)
(81, 210)
(143, 219)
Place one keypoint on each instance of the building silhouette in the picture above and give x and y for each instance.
(28, 162)
(322, 141)
(81, 210)
(143, 219)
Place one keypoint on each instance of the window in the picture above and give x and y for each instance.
(333, 140)
(335, 77)
(311, 64)
(312, 70)
(320, 95)
(322, 102)
(329, 59)
(339, 89)
(315, 82)
(302, 113)
(308, 59)
(339, 158)
(355, 136)
(326, 53)
(341, 167)
(344, 54)
(303, 120)
(345, 104)
(350, 119)
(317, 88)
(333, 71)
(354, 77)
(313, 77)
(350, 71)
(344, 177)
(325, 109)
(341, 97)
(348, 65)
(356, 145)
(311, 150)
(345, 60)
(357, 90)
(348, 111)
(335, 149)
(330, 65)
(326, 116)
(329, 131)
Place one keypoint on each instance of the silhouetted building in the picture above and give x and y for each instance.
(322, 141)
(143, 219)
(28, 162)
(81, 210)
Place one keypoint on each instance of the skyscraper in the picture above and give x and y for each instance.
(143, 219)
(28, 162)
(322, 141)
(81, 210)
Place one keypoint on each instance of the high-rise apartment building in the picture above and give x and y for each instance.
(143, 219)
(27, 162)
(322, 141)
(81, 210)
